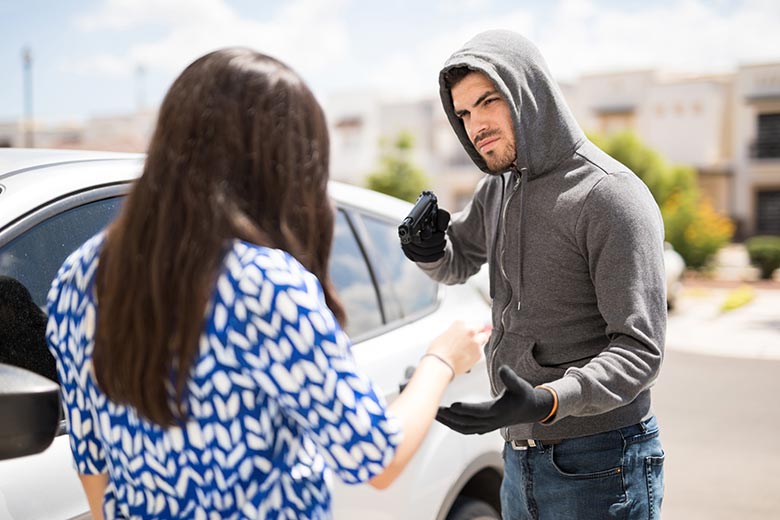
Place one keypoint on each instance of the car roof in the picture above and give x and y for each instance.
(13, 160)
(30, 178)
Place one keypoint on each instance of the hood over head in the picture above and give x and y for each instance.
(545, 130)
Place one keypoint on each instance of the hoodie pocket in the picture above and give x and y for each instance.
(518, 353)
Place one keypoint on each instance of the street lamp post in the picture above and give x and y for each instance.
(28, 110)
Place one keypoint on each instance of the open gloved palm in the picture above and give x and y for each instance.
(518, 403)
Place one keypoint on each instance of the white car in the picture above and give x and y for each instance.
(52, 201)
(675, 267)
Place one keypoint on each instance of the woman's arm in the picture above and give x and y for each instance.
(94, 487)
(452, 353)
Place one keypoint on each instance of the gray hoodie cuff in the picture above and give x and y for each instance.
(431, 266)
(569, 392)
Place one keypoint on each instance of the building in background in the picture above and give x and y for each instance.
(756, 148)
(362, 123)
(119, 133)
(688, 120)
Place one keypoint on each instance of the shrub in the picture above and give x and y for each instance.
(694, 228)
(764, 252)
(397, 175)
(662, 178)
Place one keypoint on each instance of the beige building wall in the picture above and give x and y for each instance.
(359, 123)
(687, 121)
(606, 103)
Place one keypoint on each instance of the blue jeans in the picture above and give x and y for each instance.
(616, 474)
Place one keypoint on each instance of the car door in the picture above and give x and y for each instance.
(32, 249)
(413, 310)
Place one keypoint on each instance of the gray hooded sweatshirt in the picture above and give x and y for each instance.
(574, 243)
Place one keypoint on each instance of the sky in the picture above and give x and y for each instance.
(94, 58)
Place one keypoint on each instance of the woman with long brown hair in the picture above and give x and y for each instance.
(198, 339)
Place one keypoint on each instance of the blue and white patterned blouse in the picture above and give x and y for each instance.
(276, 402)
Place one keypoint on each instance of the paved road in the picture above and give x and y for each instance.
(720, 414)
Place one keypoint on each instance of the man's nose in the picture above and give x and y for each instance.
(478, 125)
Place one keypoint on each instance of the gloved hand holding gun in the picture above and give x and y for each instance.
(423, 231)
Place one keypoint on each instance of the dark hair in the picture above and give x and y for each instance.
(240, 151)
(454, 76)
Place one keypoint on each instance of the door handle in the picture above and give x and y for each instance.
(408, 373)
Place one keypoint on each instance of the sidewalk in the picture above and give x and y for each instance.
(698, 324)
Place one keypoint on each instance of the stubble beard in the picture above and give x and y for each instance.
(499, 161)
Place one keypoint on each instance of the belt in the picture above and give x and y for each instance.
(524, 444)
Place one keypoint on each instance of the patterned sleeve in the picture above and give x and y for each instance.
(63, 332)
(305, 364)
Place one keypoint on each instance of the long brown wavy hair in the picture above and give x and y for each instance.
(240, 151)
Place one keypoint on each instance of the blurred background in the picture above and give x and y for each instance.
(684, 92)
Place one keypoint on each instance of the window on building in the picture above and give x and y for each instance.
(768, 212)
(617, 121)
(350, 130)
(767, 144)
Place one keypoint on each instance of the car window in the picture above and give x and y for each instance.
(28, 265)
(352, 279)
(34, 257)
(399, 278)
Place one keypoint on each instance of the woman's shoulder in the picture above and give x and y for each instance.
(253, 263)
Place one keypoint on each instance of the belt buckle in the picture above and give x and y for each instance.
(526, 443)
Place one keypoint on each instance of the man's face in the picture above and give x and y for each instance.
(486, 117)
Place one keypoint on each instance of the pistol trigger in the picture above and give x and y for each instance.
(426, 233)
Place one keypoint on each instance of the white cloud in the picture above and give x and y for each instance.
(307, 34)
(576, 36)
(126, 14)
(690, 36)
(585, 36)
(415, 72)
(101, 65)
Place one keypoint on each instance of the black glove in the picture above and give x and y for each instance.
(518, 403)
(432, 244)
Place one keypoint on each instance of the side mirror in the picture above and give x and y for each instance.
(29, 412)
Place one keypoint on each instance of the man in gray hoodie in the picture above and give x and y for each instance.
(574, 244)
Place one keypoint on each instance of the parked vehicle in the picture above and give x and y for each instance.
(675, 267)
(52, 201)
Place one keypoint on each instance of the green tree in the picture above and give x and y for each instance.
(691, 224)
(397, 175)
(662, 178)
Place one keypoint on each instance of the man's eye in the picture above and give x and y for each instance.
(490, 100)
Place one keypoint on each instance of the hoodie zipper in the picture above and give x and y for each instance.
(517, 178)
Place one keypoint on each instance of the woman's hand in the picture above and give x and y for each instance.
(460, 345)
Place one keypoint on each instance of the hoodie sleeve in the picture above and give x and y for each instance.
(466, 249)
(621, 232)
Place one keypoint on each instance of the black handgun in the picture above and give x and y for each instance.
(421, 221)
